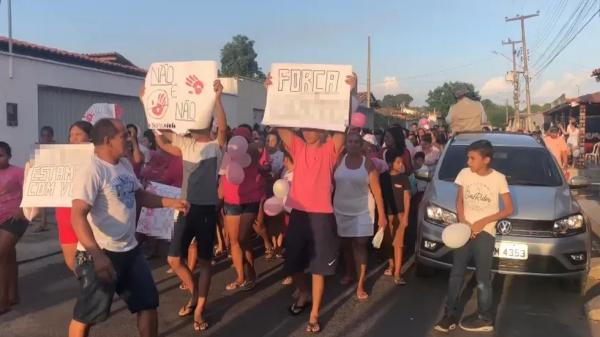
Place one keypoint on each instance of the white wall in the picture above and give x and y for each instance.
(22, 89)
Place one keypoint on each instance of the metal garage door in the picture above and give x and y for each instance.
(59, 108)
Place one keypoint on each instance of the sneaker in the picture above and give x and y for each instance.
(476, 322)
(446, 324)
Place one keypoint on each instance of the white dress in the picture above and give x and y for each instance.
(353, 204)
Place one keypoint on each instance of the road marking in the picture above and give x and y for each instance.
(336, 301)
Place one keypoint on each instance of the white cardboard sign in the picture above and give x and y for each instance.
(102, 110)
(179, 96)
(158, 222)
(48, 181)
(308, 96)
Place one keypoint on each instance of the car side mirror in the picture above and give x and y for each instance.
(578, 182)
(424, 176)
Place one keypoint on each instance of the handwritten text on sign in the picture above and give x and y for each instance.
(158, 222)
(179, 95)
(309, 96)
(48, 181)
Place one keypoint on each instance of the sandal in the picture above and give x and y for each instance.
(269, 252)
(200, 326)
(244, 286)
(187, 310)
(296, 309)
(389, 271)
(313, 327)
(399, 281)
(362, 297)
(182, 286)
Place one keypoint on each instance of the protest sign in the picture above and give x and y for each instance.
(50, 174)
(179, 96)
(308, 96)
(102, 110)
(158, 222)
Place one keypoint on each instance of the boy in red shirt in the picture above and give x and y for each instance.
(311, 238)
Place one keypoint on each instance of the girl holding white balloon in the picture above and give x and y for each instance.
(356, 182)
(243, 188)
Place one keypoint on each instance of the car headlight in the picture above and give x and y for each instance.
(570, 225)
(438, 215)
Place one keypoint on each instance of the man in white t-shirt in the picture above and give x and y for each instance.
(105, 194)
(478, 204)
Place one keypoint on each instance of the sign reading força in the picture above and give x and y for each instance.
(308, 96)
(49, 177)
(179, 96)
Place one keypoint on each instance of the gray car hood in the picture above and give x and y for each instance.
(530, 202)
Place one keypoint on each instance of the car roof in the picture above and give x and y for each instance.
(497, 139)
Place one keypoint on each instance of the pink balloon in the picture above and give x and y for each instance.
(235, 173)
(237, 144)
(358, 120)
(273, 206)
(244, 160)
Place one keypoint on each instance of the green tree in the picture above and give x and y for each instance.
(396, 101)
(442, 97)
(496, 113)
(238, 58)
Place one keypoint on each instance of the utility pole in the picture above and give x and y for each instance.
(522, 18)
(515, 75)
(369, 72)
(506, 110)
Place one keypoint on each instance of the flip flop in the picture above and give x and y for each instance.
(362, 297)
(186, 310)
(313, 328)
(296, 309)
(200, 326)
(399, 281)
(388, 272)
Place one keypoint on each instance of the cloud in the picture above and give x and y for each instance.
(389, 86)
(568, 84)
(496, 88)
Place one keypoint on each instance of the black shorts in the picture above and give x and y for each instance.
(134, 285)
(199, 223)
(16, 227)
(311, 241)
(231, 209)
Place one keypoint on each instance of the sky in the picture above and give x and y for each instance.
(416, 45)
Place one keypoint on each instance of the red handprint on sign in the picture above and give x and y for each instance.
(195, 83)
(159, 105)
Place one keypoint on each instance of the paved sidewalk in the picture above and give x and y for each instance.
(33, 246)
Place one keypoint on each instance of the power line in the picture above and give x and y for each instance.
(567, 44)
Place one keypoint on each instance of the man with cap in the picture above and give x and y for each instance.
(558, 147)
(466, 114)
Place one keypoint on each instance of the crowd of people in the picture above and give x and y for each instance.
(344, 187)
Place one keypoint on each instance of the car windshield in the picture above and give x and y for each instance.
(521, 165)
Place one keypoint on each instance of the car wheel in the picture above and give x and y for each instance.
(422, 270)
(576, 285)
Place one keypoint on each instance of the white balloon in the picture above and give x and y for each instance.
(281, 188)
(456, 235)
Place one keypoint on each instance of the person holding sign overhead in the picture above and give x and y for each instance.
(200, 155)
(109, 260)
(311, 238)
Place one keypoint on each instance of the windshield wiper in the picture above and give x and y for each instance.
(526, 183)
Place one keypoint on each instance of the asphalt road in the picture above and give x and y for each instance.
(526, 306)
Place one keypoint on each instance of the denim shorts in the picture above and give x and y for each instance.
(231, 209)
(134, 284)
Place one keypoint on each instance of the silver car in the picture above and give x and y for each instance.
(547, 235)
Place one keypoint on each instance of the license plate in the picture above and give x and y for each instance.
(510, 250)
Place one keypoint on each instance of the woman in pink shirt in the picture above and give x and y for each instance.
(12, 226)
(242, 203)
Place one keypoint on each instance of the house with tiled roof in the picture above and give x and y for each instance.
(45, 86)
(41, 86)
